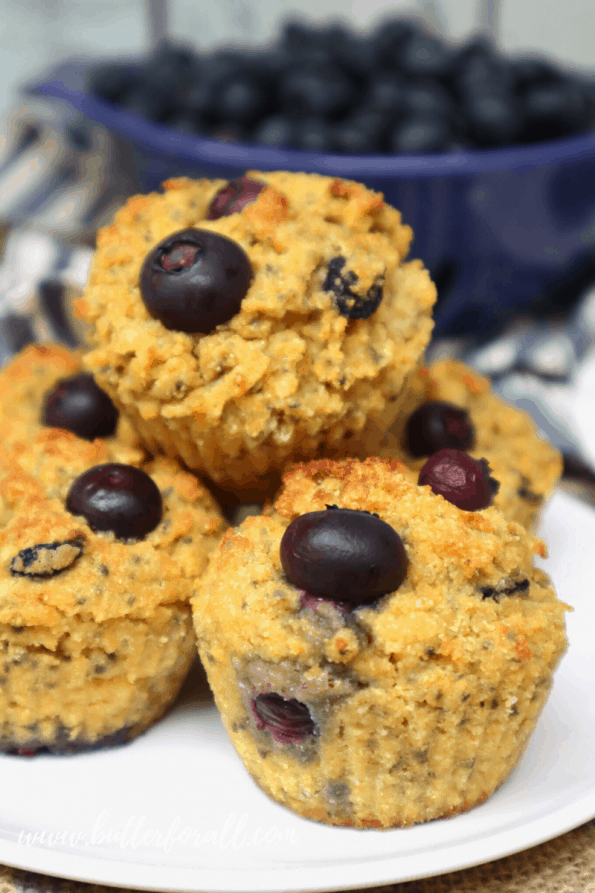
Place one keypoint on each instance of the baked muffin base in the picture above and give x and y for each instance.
(96, 685)
(421, 704)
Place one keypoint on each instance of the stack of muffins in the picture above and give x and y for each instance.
(378, 640)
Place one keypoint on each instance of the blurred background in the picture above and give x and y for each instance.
(36, 33)
(515, 274)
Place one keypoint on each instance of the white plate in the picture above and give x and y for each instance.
(175, 810)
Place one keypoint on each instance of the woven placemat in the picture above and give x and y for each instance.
(563, 865)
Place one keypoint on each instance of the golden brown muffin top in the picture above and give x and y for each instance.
(526, 465)
(291, 232)
(470, 580)
(25, 382)
(86, 574)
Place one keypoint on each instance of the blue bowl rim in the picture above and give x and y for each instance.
(148, 135)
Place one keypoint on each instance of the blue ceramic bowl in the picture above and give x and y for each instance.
(499, 230)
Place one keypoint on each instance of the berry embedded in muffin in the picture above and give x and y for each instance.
(379, 652)
(98, 560)
(451, 407)
(243, 325)
(45, 386)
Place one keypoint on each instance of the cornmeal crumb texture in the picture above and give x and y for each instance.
(95, 633)
(423, 702)
(286, 374)
(28, 378)
(527, 466)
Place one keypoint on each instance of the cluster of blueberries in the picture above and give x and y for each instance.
(397, 89)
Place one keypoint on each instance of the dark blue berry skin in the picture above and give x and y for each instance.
(323, 76)
(428, 98)
(64, 745)
(389, 38)
(478, 71)
(354, 54)
(233, 197)
(278, 131)
(111, 82)
(287, 719)
(554, 110)
(118, 498)
(421, 134)
(195, 280)
(386, 94)
(361, 134)
(460, 479)
(313, 135)
(241, 99)
(316, 91)
(79, 405)
(423, 56)
(339, 282)
(343, 555)
(493, 119)
(437, 425)
(533, 70)
(172, 65)
(147, 101)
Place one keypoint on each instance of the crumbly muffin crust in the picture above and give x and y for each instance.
(95, 633)
(29, 377)
(422, 702)
(526, 465)
(286, 374)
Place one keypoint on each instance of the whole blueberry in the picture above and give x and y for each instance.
(355, 54)
(343, 555)
(117, 497)
(389, 38)
(79, 405)
(313, 135)
(460, 479)
(361, 133)
(287, 719)
(276, 130)
(479, 71)
(421, 133)
(194, 280)
(436, 425)
(553, 110)
(233, 197)
(424, 56)
(493, 119)
(241, 99)
(428, 98)
(386, 94)
(316, 90)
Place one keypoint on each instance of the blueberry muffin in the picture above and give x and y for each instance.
(45, 384)
(98, 560)
(450, 405)
(379, 655)
(241, 324)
